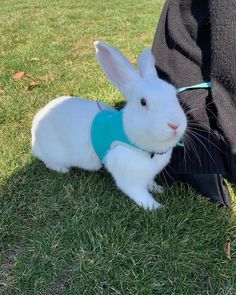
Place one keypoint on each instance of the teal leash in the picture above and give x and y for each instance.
(197, 86)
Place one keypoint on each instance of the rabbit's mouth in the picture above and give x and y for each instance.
(176, 135)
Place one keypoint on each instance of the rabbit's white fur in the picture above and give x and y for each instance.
(61, 131)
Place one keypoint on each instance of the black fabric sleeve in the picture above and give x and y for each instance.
(195, 43)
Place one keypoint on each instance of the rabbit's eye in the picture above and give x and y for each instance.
(143, 102)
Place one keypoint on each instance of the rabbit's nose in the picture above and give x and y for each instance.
(173, 126)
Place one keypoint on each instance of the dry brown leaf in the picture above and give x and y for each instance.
(227, 249)
(32, 85)
(19, 75)
(42, 78)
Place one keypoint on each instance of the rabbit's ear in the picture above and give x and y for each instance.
(115, 65)
(146, 63)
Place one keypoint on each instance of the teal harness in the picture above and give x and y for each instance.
(107, 127)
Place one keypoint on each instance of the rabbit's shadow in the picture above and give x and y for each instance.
(35, 179)
(36, 201)
(36, 187)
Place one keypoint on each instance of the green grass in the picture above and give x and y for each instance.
(76, 233)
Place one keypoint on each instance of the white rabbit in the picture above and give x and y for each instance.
(152, 120)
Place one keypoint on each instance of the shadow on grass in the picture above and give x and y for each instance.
(76, 233)
(36, 203)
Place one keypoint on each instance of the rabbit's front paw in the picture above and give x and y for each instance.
(151, 205)
(155, 188)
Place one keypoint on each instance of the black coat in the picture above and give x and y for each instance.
(195, 42)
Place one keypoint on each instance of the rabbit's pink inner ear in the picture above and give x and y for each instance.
(146, 64)
(115, 65)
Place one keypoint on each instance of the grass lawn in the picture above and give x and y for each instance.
(76, 233)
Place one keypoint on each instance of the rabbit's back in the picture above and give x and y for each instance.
(61, 134)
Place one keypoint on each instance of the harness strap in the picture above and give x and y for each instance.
(197, 86)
